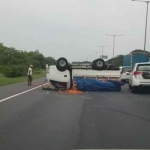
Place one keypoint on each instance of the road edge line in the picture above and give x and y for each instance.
(7, 98)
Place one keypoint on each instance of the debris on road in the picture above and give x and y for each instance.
(74, 89)
(48, 86)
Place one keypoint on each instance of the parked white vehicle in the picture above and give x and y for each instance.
(140, 76)
(125, 72)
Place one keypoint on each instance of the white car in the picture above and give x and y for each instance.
(125, 72)
(140, 76)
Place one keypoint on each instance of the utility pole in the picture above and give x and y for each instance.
(113, 44)
(102, 50)
(147, 2)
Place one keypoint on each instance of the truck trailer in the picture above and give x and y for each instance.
(135, 57)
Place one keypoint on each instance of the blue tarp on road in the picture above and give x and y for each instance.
(89, 84)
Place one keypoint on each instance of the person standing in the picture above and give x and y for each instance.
(30, 73)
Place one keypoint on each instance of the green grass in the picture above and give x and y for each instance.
(6, 81)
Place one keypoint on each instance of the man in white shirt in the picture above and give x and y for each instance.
(30, 75)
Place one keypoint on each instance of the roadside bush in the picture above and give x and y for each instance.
(14, 71)
(1, 68)
(37, 71)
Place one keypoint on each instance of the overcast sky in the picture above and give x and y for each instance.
(73, 28)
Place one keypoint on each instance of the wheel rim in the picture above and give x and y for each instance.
(62, 63)
(99, 63)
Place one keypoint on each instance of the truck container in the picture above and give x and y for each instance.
(135, 57)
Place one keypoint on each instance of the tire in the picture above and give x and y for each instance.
(134, 89)
(99, 64)
(130, 86)
(93, 65)
(62, 64)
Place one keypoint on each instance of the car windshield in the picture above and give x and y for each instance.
(127, 69)
(143, 67)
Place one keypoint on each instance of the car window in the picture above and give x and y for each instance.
(143, 67)
(127, 69)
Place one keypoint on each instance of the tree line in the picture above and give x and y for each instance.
(14, 63)
(117, 61)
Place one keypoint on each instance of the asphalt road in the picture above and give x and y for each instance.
(44, 120)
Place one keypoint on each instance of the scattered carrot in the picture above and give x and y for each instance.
(74, 90)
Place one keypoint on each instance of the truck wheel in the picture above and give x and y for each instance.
(93, 65)
(130, 86)
(62, 64)
(99, 64)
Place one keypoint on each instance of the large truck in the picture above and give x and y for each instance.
(135, 57)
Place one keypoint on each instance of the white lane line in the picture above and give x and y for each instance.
(7, 98)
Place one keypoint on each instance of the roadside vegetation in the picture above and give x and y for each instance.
(6, 81)
(117, 61)
(14, 64)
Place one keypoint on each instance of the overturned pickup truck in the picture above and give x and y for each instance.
(62, 76)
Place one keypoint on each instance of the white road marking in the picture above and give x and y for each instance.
(7, 98)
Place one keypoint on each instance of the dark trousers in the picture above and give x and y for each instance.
(29, 79)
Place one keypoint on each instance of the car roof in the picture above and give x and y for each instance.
(143, 63)
(124, 66)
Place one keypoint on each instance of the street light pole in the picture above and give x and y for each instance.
(102, 49)
(113, 43)
(114, 46)
(147, 2)
(146, 27)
